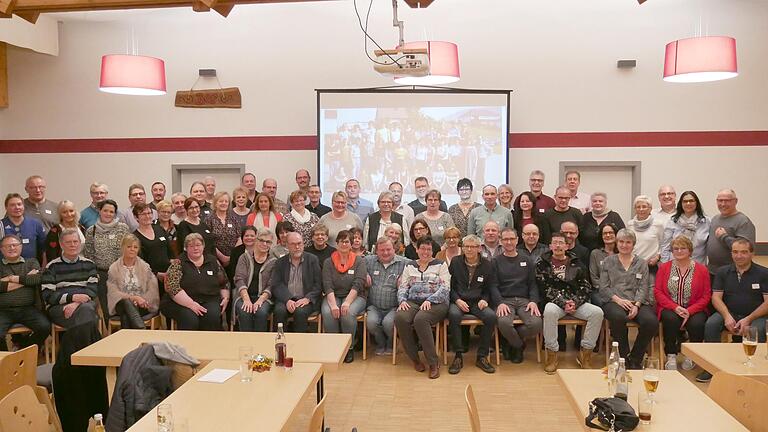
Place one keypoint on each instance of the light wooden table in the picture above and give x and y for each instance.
(324, 348)
(681, 405)
(728, 357)
(264, 404)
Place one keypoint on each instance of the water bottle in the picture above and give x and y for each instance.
(613, 367)
(280, 346)
(622, 381)
(99, 419)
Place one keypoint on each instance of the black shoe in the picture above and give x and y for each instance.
(704, 377)
(516, 355)
(483, 364)
(350, 357)
(506, 352)
(456, 365)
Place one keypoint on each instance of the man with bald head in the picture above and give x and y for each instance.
(667, 204)
(491, 246)
(37, 206)
(530, 246)
(726, 227)
(269, 187)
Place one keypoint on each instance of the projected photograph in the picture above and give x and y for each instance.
(385, 144)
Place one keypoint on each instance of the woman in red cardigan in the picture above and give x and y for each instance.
(682, 294)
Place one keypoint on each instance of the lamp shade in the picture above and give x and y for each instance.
(700, 59)
(443, 63)
(132, 75)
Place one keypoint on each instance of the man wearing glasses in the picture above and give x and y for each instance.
(667, 204)
(136, 194)
(726, 227)
(536, 185)
(37, 206)
(19, 288)
(295, 285)
(90, 215)
(561, 212)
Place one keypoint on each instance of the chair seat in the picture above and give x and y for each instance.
(44, 375)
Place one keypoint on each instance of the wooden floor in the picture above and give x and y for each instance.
(374, 395)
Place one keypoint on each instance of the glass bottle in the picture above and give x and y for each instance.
(613, 367)
(622, 381)
(281, 349)
(99, 419)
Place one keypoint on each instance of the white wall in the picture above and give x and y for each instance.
(558, 56)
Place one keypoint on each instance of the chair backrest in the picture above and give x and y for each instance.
(21, 411)
(474, 417)
(45, 399)
(316, 423)
(18, 369)
(744, 398)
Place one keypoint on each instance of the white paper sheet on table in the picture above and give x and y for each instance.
(218, 375)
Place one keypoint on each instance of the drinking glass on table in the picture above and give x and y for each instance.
(164, 418)
(245, 356)
(644, 407)
(749, 343)
(651, 376)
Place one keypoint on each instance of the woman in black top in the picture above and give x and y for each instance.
(193, 224)
(592, 223)
(419, 229)
(165, 223)
(525, 213)
(154, 243)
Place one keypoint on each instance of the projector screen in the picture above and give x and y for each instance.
(382, 136)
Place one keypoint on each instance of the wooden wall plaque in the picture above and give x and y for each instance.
(209, 98)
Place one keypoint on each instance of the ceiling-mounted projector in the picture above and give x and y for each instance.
(402, 62)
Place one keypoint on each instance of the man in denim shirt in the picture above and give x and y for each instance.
(384, 270)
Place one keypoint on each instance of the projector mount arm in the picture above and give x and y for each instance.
(397, 23)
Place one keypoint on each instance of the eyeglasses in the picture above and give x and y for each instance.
(138, 194)
(472, 246)
(265, 241)
(530, 234)
(149, 213)
(11, 245)
(534, 180)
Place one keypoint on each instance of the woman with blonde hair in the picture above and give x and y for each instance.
(68, 217)
(264, 214)
(132, 289)
(452, 238)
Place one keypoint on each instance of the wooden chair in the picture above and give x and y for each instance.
(631, 324)
(18, 369)
(153, 323)
(474, 417)
(20, 329)
(318, 413)
(23, 411)
(470, 320)
(364, 319)
(562, 321)
(55, 330)
(742, 397)
(438, 330)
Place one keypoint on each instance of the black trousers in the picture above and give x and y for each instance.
(300, 316)
(646, 321)
(487, 316)
(28, 316)
(671, 323)
(188, 320)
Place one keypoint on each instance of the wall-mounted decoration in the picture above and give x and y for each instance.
(209, 98)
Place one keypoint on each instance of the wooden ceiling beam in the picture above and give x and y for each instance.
(43, 6)
(6, 6)
(224, 8)
(29, 16)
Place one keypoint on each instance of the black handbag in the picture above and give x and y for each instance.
(611, 414)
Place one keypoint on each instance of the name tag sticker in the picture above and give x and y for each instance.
(207, 232)
(48, 212)
(440, 228)
(541, 210)
(351, 271)
(25, 241)
(523, 264)
(674, 278)
(162, 238)
(375, 272)
(210, 272)
(755, 286)
(111, 236)
(638, 276)
(479, 278)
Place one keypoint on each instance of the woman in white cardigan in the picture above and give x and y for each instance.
(132, 291)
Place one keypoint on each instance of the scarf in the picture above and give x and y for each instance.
(258, 221)
(641, 225)
(342, 268)
(299, 218)
(102, 227)
(603, 213)
(688, 224)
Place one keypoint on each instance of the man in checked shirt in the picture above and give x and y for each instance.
(384, 270)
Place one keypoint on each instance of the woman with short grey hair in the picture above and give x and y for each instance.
(648, 230)
(593, 221)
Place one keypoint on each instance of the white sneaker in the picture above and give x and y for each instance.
(671, 363)
(688, 364)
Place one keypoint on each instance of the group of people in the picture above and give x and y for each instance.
(408, 265)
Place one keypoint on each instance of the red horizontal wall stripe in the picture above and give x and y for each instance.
(309, 142)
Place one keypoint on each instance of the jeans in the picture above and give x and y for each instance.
(487, 316)
(346, 323)
(420, 321)
(130, 314)
(28, 316)
(671, 323)
(531, 324)
(84, 313)
(256, 321)
(188, 320)
(381, 324)
(588, 312)
(716, 324)
(300, 316)
(648, 326)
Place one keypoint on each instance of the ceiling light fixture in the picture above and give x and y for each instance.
(132, 75)
(700, 59)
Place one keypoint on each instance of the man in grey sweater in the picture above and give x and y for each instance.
(726, 227)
